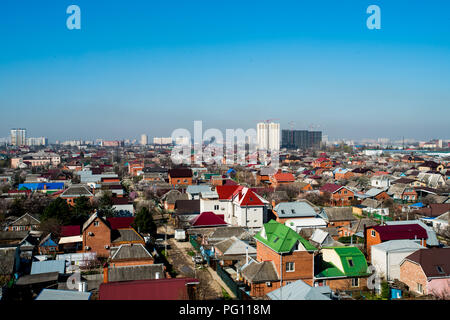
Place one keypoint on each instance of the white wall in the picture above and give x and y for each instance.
(378, 259)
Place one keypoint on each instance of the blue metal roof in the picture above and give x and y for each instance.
(41, 186)
(48, 266)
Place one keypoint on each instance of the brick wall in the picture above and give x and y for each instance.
(303, 263)
(411, 274)
(100, 238)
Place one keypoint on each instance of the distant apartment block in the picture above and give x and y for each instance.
(300, 139)
(268, 136)
(41, 141)
(144, 140)
(162, 141)
(18, 137)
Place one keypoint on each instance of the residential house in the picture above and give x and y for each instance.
(25, 223)
(427, 272)
(180, 176)
(298, 215)
(231, 250)
(48, 245)
(281, 178)
(76, 191)
(378, 234)
(338, 217)
(387, 256)
(280, 247)
(340, 195)
(375, 206)
(170, 197)
(341, 268)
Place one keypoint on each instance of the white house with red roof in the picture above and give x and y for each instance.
(239, 205)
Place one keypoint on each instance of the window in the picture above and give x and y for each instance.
(439, 269)
(419, 288)
(355, 282)
(373, 233)
(216, 207)
(350, 262)
(290, 266)
(95, 223)
(292, 210)
(276, 239)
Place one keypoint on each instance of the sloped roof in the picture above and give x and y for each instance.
(435, 262)
(295, 209)
(300, 290)
(403, 231)
(398, 245)
(48, 266)
(77, 190)
(157, 289)
(353, 262)
(284, 177)
(180, 173)
(257, 272)
(131, 251)
(281, 238)
(138, 272)
(54, 294)
(120, 222)
(432, 239)
(339, 213)
(227, 192)
(25, 220)
(125, 235)
(70, 231)
(330, 187)
(207, 218)
(234, 245)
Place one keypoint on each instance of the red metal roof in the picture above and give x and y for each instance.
(157, 289)
(250, 199)
(120, 222)
(401, 231)
(70, 231)
(206, 219)
(227, 192)
(330, 187)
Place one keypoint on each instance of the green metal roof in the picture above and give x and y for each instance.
(353, 262)
(281, 238)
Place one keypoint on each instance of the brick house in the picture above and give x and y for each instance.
(281, 178)
(180, 176)
(427, 271)
(377, 234)
(290, 255)
(130, 255)
(338, 217)
(98, 236)
(322, 163)
(341, 268)
(340, 195)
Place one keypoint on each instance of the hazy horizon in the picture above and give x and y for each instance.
(151, 67)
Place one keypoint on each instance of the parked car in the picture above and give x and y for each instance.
(198, 259)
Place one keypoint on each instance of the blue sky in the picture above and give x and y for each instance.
(154, 66)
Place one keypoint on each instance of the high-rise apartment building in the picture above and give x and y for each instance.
(268, 136)
(300, 139)
(18, 137)
(144, 139)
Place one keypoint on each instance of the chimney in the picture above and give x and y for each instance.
(105, 273)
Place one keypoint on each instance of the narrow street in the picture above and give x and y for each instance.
(181, 261)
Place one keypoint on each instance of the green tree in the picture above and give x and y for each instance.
(144, 221)
(105, 205)
(81, 210)
(59, 210)
(385, 290)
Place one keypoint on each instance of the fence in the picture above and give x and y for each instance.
(234, 287)
(378, 216)
(194, 243)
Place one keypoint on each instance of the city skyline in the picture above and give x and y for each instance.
(132, 68)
